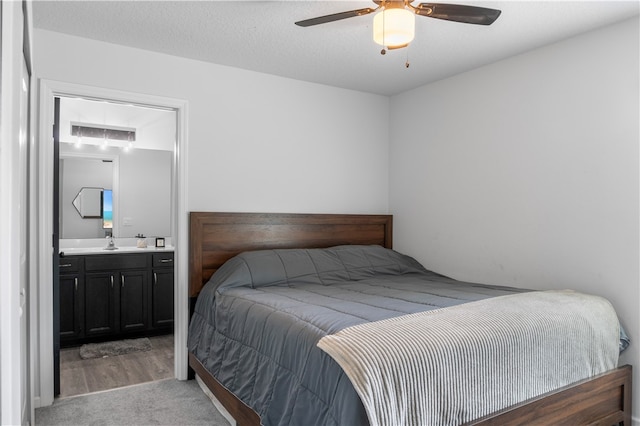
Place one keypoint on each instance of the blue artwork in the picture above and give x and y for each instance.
(107, 209)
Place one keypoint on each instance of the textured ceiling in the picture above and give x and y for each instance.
(261, 36)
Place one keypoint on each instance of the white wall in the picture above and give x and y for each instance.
(256, 142)
(526, 172)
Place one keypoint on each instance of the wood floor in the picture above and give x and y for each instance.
(79, 376)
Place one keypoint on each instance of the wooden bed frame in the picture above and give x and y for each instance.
(216, 237)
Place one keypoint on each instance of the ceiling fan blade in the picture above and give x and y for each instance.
(334, 17)
(458, 13)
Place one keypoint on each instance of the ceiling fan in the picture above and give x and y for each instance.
(394, 25)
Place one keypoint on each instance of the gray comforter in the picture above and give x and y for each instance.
(257, 322)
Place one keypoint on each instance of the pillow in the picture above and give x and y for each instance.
(313, 266)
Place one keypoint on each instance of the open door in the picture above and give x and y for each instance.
(24, 171)
(56, 247)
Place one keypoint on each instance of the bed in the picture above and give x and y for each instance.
(215, 238)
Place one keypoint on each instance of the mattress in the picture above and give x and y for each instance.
(257, 323)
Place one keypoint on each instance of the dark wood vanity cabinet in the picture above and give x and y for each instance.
(162, 290)
(134, 297)
(71, 298)
(100, 304)
(115, 296)
(116, 302)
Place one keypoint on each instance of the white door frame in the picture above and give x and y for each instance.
(15, 52)
(42, 327)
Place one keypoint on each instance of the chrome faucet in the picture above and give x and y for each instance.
(111, 245)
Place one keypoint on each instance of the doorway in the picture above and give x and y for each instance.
(113, 173)
(44, 318)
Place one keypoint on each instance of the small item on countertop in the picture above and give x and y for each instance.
(142, 241)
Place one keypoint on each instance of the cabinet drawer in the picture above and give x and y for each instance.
(114, 261)
(70, 264)
(162, 259)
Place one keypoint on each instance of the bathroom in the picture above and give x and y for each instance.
(115, 221)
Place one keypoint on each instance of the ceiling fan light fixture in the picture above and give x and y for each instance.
(394, 27)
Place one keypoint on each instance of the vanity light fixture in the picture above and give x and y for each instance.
(129, 144)
(79, 139)
(105, 132)
(105, 141)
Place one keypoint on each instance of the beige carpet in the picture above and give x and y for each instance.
(166, 402)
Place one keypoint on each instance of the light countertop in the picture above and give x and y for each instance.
(71, 247)
(101, 250)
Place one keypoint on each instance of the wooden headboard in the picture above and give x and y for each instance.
(214, 238)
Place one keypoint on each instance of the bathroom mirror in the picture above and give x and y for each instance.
(140, 180)
(88, 203)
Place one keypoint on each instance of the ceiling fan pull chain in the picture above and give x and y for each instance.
(383, 51)
(406, 64)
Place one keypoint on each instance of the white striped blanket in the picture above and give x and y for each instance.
(453, 365)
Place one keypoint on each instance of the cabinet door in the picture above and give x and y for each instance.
(101, 310)
(71, 307)
(162, 298)
(133, 300)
